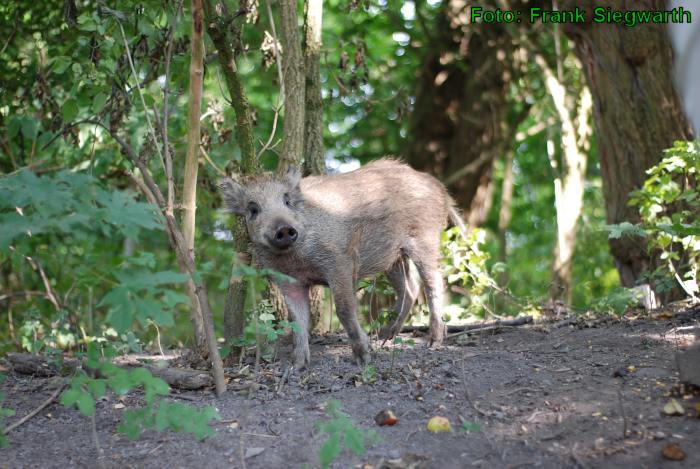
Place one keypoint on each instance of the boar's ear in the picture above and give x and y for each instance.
(233, 194)
(293, 176)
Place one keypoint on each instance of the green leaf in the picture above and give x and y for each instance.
(69, 397)
(69, 110)
(354, 440)
(97, 387)
(99, 102)
(86, 404)
(329, 450)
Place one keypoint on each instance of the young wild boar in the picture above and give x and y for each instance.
(335, 230)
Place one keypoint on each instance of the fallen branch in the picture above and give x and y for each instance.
(180, 378)
(467, 328)
(34, 412)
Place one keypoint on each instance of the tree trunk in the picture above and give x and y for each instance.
(226, 35)
(569, 175)
(504, 214)
(456, 128)
(293, 77)
(314, 155)
(189, 191)
(637, 114)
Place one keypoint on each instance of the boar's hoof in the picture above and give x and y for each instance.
(362, 356)
(436, 339)
(302, 359)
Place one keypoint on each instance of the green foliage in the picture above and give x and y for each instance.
(669, 208)
(469, 427)
(341, 433)
(68, 204)
(4, 412)
(466, 267)
(262, 331)
(618, 301)
(368, 374)
(141, 295)
(83, 391)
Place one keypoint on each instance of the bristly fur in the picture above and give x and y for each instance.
(347, 227)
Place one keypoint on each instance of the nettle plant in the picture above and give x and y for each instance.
(85, 390)
(341, 433)
(669, 208)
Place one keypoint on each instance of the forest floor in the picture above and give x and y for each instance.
(590, 394)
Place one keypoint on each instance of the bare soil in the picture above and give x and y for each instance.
(543, 396)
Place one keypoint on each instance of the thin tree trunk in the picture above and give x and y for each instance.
(505, 213)
(314, 154)
(293, 76)
(637, 114)
(189, 191)
(225, 35)
(569, 179)
(177, 241)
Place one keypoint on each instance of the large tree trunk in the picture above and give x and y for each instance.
(456, 128)
(636, 110)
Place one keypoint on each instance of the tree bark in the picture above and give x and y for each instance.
(314, 157)
(293, 76)
(314, 154)
(225, 35)
(456, 128)
(504, 214)
(569, 175)
(189, 191)
(637, 114)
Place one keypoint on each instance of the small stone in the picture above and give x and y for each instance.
(687, 363)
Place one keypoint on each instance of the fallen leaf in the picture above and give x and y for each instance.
(252, 452)
(673, 408)
(439, 424)
(386, 417)
(673, 452)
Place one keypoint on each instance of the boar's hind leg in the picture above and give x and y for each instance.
(427, 262)
(406, 286)
(297, 298)
(346, 309)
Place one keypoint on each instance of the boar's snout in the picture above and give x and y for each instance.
(284, 236)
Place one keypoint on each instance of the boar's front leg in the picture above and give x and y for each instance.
(297, 298)
(346, 308)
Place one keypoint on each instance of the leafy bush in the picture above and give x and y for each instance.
(669, 208)
(84, 391)
(465, 267)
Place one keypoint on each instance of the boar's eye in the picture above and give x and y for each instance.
(287, 200)
(253, 209)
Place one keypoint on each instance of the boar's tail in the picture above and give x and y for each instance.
(456, 217)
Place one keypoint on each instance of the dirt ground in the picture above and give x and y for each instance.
(543, 396)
